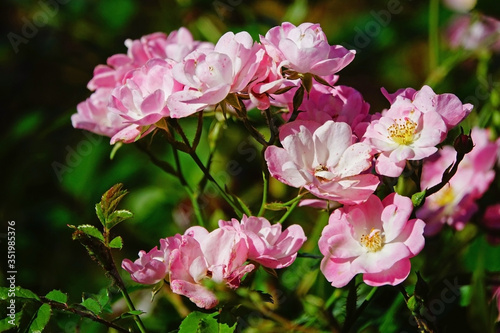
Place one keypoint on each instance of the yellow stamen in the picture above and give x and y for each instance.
(402, 131)
(374, 241)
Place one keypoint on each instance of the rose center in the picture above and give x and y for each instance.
(322, 174)
(374, 241)
(402, 131)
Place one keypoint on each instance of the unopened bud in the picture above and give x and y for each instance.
(463, 143)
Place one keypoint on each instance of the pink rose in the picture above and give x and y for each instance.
(374, 238)
(415, 123)
(324, 160)
(142, 100)
(267, 244)
(152, 267)
(209, 76)
(305, 49)
(93, 115)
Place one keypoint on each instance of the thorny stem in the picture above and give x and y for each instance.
(242, 114)
(193, 195)
(121, 285)
(449, 173)
(170, 170)
(65, 307)
(291, 208)
(165, 166)
(205, 171)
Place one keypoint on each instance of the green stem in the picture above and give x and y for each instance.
(66, 308)
(433, 34)
(115, 276)
(291, 208)
(206, 172)
(265, 177)
(131, 307)
(193, 196)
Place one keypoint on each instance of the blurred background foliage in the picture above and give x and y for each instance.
(52, 174)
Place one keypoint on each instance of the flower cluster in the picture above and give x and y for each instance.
(330, 146)
(224, 255)
(175, 76)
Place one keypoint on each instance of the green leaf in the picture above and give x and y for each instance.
(7, 293)
(129, 314)
(116, 217)
(92, 305)
(91, 231)
(116, 243)
(199, 322)
(57, 296)
(103, 297)
(111, 198)
(194, 322)
(100, 214)
(41, 320)
(6, 323)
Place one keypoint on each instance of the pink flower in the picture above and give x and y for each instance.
(209, 76)
(337, 103)
(305, 49)
(142, 99)
(188, 268)
(455, 203)
(111, 74)
(415, 123)
(180, 43)
(474, 32)
(324, 160)
(219, 256)
(448, 106)
(374, 238)
(147, 47)
(268, 81)
(186, 260)
(267, 244)
(93, 115)
(152, 267)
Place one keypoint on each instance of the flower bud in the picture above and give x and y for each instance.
(463, 144)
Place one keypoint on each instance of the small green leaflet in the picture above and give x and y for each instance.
(57, 296)
(41, 320)
(199, 322)
(116, 243)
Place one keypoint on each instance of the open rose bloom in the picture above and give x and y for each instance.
(324, 159)
(375, 238)
(412, 127)
(323, 146)
(224, 256)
